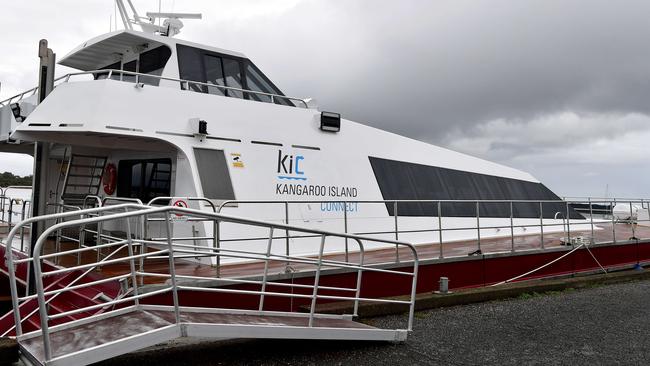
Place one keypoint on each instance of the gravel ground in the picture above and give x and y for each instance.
(595, 326)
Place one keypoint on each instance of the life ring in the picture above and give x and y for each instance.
(110, 178)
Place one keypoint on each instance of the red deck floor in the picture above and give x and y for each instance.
(425, 251)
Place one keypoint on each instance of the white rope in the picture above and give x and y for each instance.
(551, 262)
(594, 257)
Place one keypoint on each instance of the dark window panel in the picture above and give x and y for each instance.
(214, 74)
(408, 181)
(214, 175)
(232, 73)
(132, 67)
(153, 62)
(202, 66)
(190, 64)
(257, 81)
(144, 179)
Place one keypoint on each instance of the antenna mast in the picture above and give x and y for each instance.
(170, 27)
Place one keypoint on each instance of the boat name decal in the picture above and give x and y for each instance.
(289, 167)
(297, 189)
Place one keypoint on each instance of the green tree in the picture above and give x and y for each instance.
(9, 179)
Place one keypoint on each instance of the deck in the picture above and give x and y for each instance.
(458, 249)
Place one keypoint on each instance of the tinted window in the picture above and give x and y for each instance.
(408, 181)
(232, 72)
(256, 81)
(132, 67)
(213, 172)
(144, 179)
(214, 74)
(153, 62)
(190, 67)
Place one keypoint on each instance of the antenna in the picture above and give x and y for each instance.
(170, 27)
(172, 23)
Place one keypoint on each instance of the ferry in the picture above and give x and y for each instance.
(178, 192)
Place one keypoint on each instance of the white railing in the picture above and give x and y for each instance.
(551, 217)
(119, 75)
(12, 206)
(140, 247)
(553, 214)
(176, 283)
(12, 262)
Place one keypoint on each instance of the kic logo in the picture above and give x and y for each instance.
(289, 167)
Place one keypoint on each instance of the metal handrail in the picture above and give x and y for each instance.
(16, 187)
(194, 250)
(543, 222)
(21, 95)
(23, 213)
(174, 287)
(4, 198)
(9, 257)
(97, 199)
(606, 199)
(68, 287)
(109, 73)
(215, 223)
(122, 199)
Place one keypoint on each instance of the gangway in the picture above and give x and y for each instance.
(151, 314)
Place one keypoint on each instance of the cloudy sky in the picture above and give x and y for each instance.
(557, 88)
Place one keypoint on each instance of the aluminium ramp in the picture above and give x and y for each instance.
(122, 331)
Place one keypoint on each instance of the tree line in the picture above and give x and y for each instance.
(9, 179)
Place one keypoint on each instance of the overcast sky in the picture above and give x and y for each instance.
(556, 88)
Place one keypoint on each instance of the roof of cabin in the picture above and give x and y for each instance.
(110, 47)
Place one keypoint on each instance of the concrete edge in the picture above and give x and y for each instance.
(426, 301)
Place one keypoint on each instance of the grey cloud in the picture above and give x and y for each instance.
(424, 68)
(494, 78)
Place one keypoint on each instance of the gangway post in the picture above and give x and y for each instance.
(41, 150)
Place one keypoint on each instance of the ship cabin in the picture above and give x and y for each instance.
(134, 127)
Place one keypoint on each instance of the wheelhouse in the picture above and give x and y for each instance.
(157, 61)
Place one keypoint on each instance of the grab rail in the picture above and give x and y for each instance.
(173, 287)
(110, 72)
(9, 257)
(396, 231)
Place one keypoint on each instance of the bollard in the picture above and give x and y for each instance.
(443, 286)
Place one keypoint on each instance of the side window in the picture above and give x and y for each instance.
(153, 62)
(232, 73)
(214, 175)
(218, 69)
(214, 74)
(190, 67)
(256, 81)
(144, 179)
(205, 67)
(132, 67)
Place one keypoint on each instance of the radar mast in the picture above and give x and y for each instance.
(170, 27)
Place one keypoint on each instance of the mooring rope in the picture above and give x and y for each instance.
(551, 262)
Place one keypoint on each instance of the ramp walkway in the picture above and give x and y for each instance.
(139, 316)
(131, 329)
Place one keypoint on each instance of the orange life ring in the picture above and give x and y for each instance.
(110, 178)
